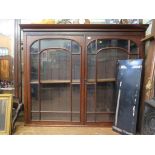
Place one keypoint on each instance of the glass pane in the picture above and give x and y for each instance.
(91, 49)
(35, 116)
(34, 97)
(48, 116)
(55, 43)
(76, 98)
(91, 67)
(104, 118)
(75, 117)
(3, 104)
(91, 98)
(90, 117)
(133, 47)
(76, 67)
(55, 97)
(105, 97)
(34, 66)
(106, 62)
(75, 47)
(133, 56)
(35, 47)
(55, 65)
(103, 43)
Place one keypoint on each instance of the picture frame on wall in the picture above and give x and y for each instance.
(5, 114)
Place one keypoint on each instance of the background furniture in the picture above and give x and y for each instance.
(70, 71)
(17, 106)
(148, 90)
(148, 126)
(5, 113)
(6, 68)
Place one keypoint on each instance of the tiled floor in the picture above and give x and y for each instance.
(30, 130)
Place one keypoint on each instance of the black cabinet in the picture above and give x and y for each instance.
(127, 98)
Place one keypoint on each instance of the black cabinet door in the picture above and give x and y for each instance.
(127, 98)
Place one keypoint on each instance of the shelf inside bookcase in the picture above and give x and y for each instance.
(55, 81)
(101, 80)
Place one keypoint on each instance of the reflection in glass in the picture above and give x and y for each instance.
(76, 103)
(91, 67)
(55, 43)
(53, 116)
(76, 67)
(35, 47)
(55, 97)
(106, 62)
(103, 43)
(76, 98)
(105, 97)
(35, 97)
(34, 60)
(76, 117)
(35, 116)
(91, 117)
(104, 118)
(75, 47)
(2, 114)
(136, 56)
(55, 101)
(101, 73)
(55, 65)
(133, 47)
(91, 98)
(91, 48)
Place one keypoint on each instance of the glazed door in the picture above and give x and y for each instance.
(55, 80)
(72, 82)
(101, 57)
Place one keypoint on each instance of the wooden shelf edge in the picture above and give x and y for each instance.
(102, 80)
(50, 81)
(56, 82)
(104, 113)
(67, 112)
